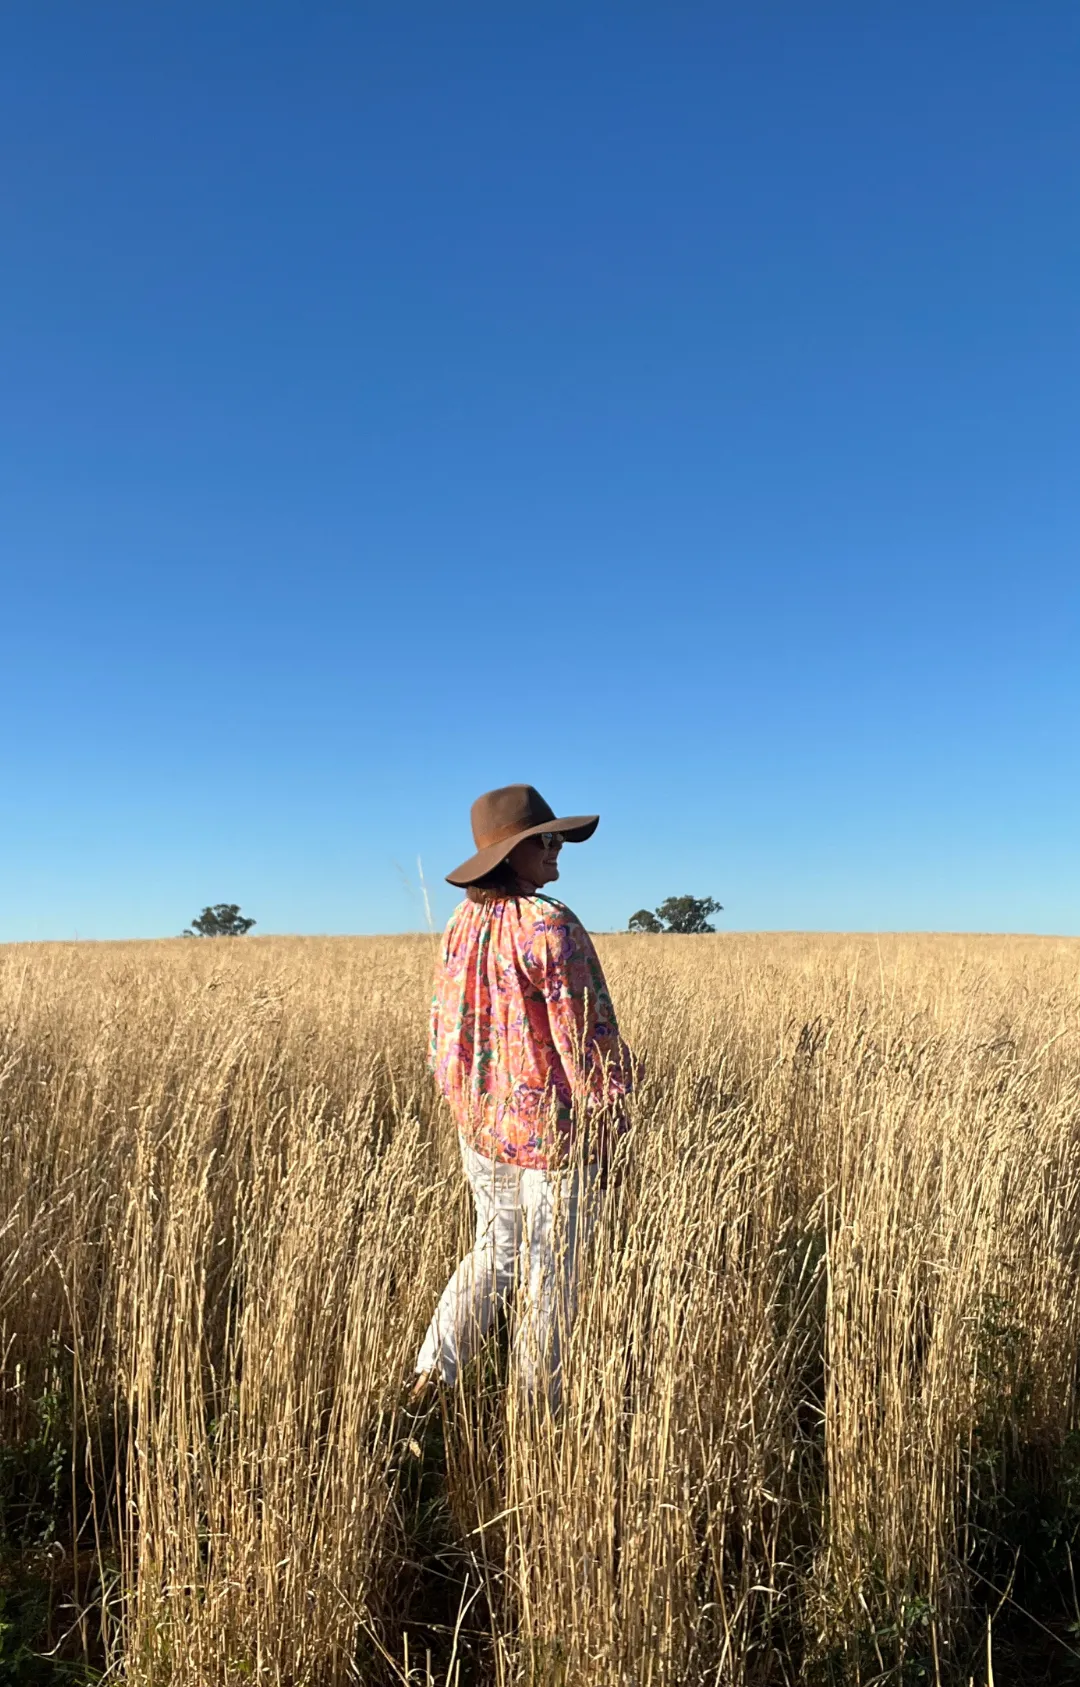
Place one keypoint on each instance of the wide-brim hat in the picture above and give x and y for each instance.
(502, 818)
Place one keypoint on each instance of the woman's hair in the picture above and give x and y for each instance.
(501, 882)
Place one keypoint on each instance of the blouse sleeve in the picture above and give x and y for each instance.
(562, 962)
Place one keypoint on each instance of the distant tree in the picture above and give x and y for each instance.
(679, 913)
(224, 919)
(688, 913)
(643, 920)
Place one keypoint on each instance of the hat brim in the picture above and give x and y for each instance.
(574, 830)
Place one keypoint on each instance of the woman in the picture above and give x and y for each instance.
(526, 1049)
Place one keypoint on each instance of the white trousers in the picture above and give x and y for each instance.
(529, 1221)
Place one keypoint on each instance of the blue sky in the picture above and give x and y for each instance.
(677, 406)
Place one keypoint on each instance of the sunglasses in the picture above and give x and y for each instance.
(550, 840)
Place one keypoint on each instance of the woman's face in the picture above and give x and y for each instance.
(535, 861)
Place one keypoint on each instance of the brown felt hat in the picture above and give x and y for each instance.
(500, 819)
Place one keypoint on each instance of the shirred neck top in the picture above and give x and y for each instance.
(524, 1041)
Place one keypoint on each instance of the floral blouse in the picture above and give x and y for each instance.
(524, 1042)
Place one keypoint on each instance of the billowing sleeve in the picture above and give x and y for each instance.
(563, 964)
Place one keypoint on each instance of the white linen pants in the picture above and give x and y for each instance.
(532, 1222)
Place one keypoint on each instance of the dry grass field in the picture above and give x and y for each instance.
(821, 1412)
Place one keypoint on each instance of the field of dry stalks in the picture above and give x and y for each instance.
(820, 1422)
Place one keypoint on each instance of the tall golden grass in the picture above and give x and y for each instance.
(821, 1395)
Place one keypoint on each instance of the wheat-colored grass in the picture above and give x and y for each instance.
(830, 1311)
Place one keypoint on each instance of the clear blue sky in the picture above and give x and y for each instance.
(677, 406)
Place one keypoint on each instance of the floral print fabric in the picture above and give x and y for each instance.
(524, 1041)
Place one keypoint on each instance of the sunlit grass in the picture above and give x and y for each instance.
(822, 1384)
